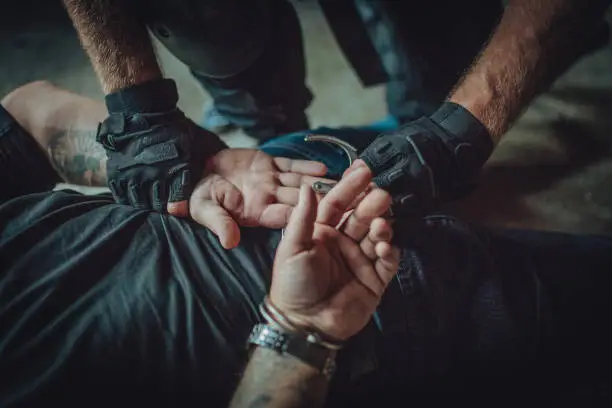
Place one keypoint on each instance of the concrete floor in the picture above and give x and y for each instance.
(552, 171)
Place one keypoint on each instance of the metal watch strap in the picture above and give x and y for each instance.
(321, 358)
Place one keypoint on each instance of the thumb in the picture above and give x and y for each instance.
(212, 204)
(218, 220)
(298, 234)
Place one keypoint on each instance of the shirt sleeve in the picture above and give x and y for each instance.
(24, 166)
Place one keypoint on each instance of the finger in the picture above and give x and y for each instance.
(368, 248)
(287, 195)
(380, 230)
(298, 235)
(158, 196)
(384, 250)
(296, 180)
(137, 196)
(119, 192)
(215, 204)
(218, 220)
(336, 202)
(387, 265)
(356, 165)
(222, 192)
(360, 266)
(180, 187)
(375, 204)
(178, 209)
(308, 167)
(276, 216)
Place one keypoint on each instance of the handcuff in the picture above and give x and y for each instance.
(280, 335)
(349, 150)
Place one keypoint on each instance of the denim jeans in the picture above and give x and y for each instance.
(474, 308)
(294, 146)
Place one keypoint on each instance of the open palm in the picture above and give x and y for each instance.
(247, 187)
(324, 280)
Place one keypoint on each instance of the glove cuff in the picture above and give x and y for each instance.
(459, 122)
(158, 95)
(465, 135)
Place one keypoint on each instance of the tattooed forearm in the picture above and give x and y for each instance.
(78, 158)
(272, 380)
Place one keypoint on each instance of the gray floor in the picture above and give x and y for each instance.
(552, 171)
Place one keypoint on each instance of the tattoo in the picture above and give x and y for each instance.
(261, 401)
(78, 158)
(273, 380)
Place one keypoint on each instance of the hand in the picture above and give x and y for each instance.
(155, 154)
(324, 280)
(248, 187)
(429, 160)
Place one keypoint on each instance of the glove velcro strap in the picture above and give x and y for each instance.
(112, 131)
(457, 121)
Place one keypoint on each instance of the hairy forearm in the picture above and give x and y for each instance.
(275, 380)
(116, 41)
(534, 42)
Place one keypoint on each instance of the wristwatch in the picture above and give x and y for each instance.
(299, 346)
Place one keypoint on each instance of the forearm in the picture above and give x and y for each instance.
(64, 125)
(534, 42)
(116, 41)
(275, 380)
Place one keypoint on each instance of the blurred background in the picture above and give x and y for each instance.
(552, 171)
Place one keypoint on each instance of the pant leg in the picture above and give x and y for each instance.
(247, 54)
(425, 47)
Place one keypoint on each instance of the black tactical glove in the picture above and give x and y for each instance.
(155, 154)
(430, 160)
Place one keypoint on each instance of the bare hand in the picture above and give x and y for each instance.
(247, 187)
(328, 280)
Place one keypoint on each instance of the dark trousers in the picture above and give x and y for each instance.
(261, 86)
(248, 55)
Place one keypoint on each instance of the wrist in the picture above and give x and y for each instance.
(459, 123)
(291, 323)
(477, 96)
(466, 139)
(159, 95)
(111, 82)
(299, 346)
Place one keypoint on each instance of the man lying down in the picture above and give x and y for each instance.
(102, 303)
